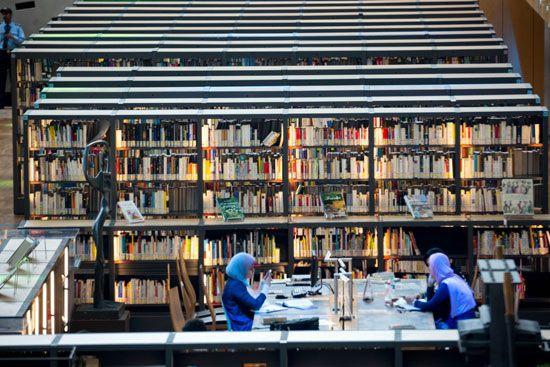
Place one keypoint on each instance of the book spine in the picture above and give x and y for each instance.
(260, 245)
(328, 164)
(405, 163)
(528, 242)
(255, 199)
(141, 291)
(348, 241)
(155, 245)
(390, 196)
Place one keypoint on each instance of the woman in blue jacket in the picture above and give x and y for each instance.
(238, 299)
(453, 300)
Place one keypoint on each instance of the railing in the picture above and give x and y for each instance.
(542, 7)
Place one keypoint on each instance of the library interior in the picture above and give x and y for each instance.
(274, 183)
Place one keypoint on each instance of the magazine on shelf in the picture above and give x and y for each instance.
(230, 209)
(517, 198)
(130, 212)
(419, 206)
(334, 205)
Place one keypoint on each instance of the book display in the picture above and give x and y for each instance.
(419, 206)
(315, 133)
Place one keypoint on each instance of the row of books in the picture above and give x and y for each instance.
(408, 164)
(42, 69)
(310, 163)
(477, 163)
(214, 282)
(499, 132)
(302, 132)
(83, 291)
(481, 200)
(155, 245)
(348, 241)
(179, 200)
(391, 200)
(327, 132)
(407, 266)
(326, 163)
(156, 198)
(162, 199)
(261, 245)
(58, 134)
(264, 199)
(224, 164)
(534, 241)
(379, 60)
(141, 291)
(352, 241)
(155, 165)
(70, 200)
(412, 132)
(153, 133)
(35, 70)
(229, 133)
(400, 242)
(307, 198)
(84, 248)
(62, 166)
(27, 96)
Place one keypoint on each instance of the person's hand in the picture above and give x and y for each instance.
(431, 281)
(267, 278)
(10, 36)
(265, 283)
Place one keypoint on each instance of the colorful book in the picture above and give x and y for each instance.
(419, 206)
(334, 205)
(517, 197)
(230, 209)
(130, 212)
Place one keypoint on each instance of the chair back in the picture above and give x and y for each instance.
(208, 304)
(176, 312)
(185, 284)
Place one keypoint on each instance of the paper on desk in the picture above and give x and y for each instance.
(402, 304)
(302, 304)
(270, 308)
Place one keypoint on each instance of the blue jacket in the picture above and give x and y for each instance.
(16, 31)
(439, 304)
(239, 305)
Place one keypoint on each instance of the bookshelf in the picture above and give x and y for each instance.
(363, 237)
(300, 33)
(410, 96)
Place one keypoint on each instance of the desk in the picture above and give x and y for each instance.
(36, 299)
(367, 316)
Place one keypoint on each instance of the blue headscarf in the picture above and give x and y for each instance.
(239, 265)
(462, 297)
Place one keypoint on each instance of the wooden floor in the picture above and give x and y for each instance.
(6, 171)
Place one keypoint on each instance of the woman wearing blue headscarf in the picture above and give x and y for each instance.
(452, 290)
(239, 300)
